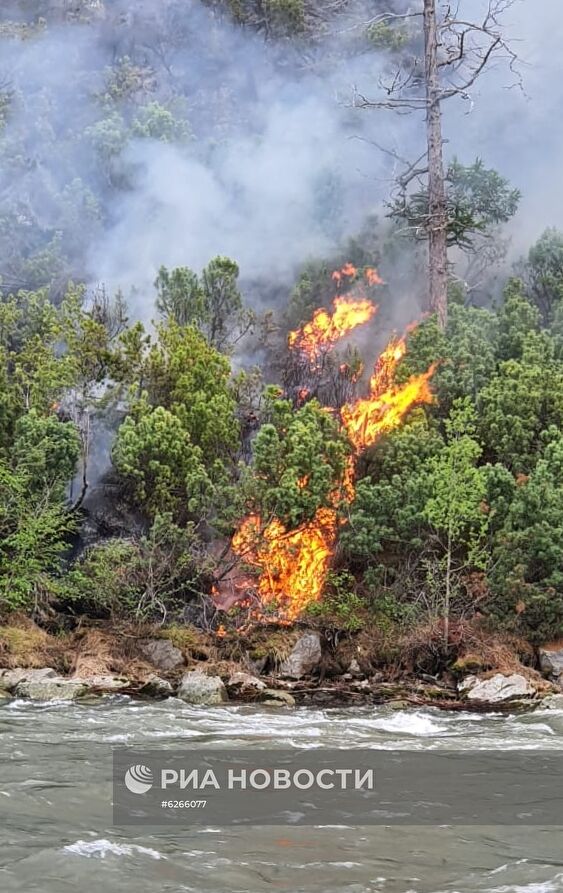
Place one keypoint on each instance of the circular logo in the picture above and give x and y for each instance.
(138, 779)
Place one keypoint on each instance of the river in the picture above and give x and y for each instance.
(56, 831)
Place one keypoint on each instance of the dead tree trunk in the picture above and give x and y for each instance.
(437, 230)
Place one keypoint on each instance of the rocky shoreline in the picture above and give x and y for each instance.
(157, 668)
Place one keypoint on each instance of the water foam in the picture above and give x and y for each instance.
(102, 848)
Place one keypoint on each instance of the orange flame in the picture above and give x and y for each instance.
(348, 270)
(349, 312)
(372, 276)
(293, 564)
(367, 419)
(325, 328)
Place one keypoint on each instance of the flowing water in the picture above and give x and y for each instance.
(56, 831)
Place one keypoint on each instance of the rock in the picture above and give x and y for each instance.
(243, 683)
(551, 662)
(4, 696)
(163, 654)
(103, 683)
(257, 664)
(354, 669)
(497, 689)
(467, 683)
(198, 688)
(156, 687)
(9, 679)
(553, 702)
(305, 657)
(56, 689)
(398, 704)
(273, 697)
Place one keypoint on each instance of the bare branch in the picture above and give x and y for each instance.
(380, 19)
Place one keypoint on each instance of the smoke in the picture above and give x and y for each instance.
(514, 123)
(259, 199)
(274, 172)
(272, 175)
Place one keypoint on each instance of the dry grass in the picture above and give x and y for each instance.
(193, 643)
(274, 646)
(98, 652)
(471, 647)
(23, 644)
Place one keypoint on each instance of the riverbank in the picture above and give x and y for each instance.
(274, 666)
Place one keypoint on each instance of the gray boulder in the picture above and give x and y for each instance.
(103, 683)
(156, 687)
(354, 669)
(9, 679)
(56, 689)
(243, 683)
(198, 688)
(497, 689)
(551, 662)
(304, 657)
(552, 702)
(163, 654)
(273, 697)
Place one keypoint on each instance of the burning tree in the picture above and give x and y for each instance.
(304, 466)
(312, 370)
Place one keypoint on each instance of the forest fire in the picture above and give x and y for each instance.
(349, 311)
(387, 403)
(325, 329)
(293, 564)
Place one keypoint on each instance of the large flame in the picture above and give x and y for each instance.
(293, 564)
(325, 328)
(349, 311)
(387, 403)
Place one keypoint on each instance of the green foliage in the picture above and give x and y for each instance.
(176, 450)
(518, 322)
(299, 460)
(156, 122)
(465, 353)
(126, 80)
(340, 605)
(385, 517)
(285, 17)
(455, 507)
(180, 296)
(528, 574)
(211, 302)
(165, 470)
(544, 274)
(516, 406)
(107, 136)
(45, 451)
(146, 578)
(313, 289)
(34, 524)
(386, 36)
(477, 198)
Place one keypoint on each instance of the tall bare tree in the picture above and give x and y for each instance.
(456, 51)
